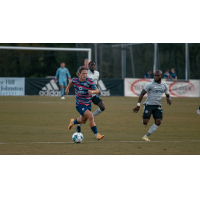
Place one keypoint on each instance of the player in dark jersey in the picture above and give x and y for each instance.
(154, 90)
(84, 88)
(94, 75)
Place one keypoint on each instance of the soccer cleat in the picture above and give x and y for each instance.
(78, 129)
(62, 97)
(70, 125)
(145, 138)
(99, 136)
(198, 111)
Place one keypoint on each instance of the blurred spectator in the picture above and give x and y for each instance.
(167, 75)
(86, 61)
(173, 74)
(147, 75)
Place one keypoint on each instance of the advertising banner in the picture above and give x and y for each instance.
(47, 87)
(12, 86)
(43, 87)
(133, 87)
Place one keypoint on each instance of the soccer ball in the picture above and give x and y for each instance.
(77, 137)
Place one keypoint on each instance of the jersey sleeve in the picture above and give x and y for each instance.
(93, 85)
(147, 87)
(166, 89)
(68, 74)
(57, 72)
(73, 81)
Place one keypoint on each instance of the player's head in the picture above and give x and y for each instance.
(157, 75)
(92, 65)
(86, 61)
(83, 73)
(62, 64)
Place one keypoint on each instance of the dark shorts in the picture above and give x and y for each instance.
(96, 100)
(82, 108)
(155, 110)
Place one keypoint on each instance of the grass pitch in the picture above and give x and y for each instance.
(34, 125)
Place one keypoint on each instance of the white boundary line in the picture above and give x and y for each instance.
(97, 142)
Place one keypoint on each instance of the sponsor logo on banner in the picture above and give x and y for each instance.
(50, 89)
(103, 89)
(138, 86)
(12, 86)
(181, 89)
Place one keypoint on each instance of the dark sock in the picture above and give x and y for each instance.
(94, 129)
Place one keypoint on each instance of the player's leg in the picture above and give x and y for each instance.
(88, 114)
(157, 115)
(82, 119)
(146, 117)
(101, 106)
(97, 101)
(62, 89)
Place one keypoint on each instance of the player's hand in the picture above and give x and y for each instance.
(67, 91)
(136, 109)
(99, 94)
(169, 101)
(90, 91)
(55, 80)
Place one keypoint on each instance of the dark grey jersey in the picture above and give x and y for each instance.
(154, 92)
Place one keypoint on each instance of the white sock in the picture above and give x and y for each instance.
(97, 112)
(151, 130)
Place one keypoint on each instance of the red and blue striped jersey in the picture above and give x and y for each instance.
(81, 91)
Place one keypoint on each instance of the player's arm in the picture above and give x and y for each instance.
(137, 108)
(68, 75)
(68, 86)
(169, 101)
(93, 91)
(56, 76)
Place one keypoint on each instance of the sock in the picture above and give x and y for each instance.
(79, 125)
(199, 107)
(97, 111)
(94, 129)
(75, 122)
(62, 91)
(151, 130)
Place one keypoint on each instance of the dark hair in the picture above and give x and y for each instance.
(81, 69)
(92, 62)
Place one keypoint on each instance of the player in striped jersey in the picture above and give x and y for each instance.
(154, 90)
(61, 74)
(94, 75)
(84, 88)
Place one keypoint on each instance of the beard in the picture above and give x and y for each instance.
(157, 80)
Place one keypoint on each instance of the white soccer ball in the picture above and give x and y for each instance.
(77, 137)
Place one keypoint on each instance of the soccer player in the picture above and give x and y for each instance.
(84, 88)
(86, 62)
(62, 72)
(94, 75)
(154, 91)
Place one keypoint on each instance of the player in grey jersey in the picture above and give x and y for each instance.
(154, 91)
(94, 75)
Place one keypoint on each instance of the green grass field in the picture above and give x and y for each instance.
(34, 125)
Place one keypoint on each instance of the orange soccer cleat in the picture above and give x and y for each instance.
(70, 125)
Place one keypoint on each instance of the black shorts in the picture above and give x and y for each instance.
(155, 110)
(96, 100)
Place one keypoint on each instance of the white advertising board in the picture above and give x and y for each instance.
(133, 87)
(12, 86)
